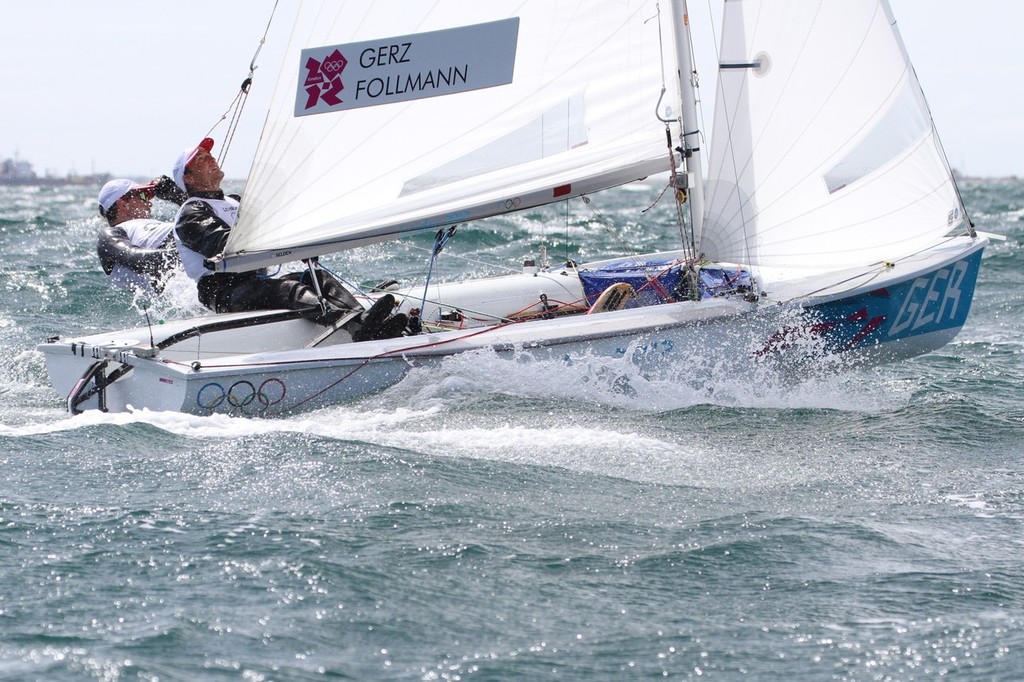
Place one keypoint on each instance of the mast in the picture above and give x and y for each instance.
(691, 130)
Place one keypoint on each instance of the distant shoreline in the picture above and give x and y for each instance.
(16, 172)
(85, 180)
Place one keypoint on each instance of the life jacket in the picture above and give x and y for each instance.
(227, 210)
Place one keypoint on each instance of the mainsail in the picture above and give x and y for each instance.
(391, 117)
(823, 153)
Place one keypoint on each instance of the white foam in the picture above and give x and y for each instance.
(468, 378)
(617, 383)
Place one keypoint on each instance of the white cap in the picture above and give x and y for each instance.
(115, 189)
(185, 158)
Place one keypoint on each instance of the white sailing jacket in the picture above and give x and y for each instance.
(227, 210)
(144, 233)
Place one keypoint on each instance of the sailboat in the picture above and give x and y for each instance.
(822, 221)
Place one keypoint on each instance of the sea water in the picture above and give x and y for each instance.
(477, 523)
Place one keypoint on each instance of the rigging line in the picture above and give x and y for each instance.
(938, 140)
(524, 314)
(355, 287)
(661, 43)
(696, 75)
(242, 98)
(389, 354)
(657, 199)
(679, 194)
(674, 177)
(871, 274)
(238, 103)
(252, 64)
(468, 259)
(661, 53)
(609, 226)
(441, 304)
(714, 34)
(394, 355)
(565, 229)
(956, 185)
(631, 250)
(234, 109)
(942, 152)
(686, 150)
(233, 125)
(440, 240)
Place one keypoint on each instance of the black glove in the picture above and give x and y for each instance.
(166, 189)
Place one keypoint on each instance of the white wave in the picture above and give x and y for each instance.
(618, 383)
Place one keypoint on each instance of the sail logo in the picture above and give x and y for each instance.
(404, 68)
(323, 79)
(933, 300)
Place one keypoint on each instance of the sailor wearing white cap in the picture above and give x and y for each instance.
(135, 250)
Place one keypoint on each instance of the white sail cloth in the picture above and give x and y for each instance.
(823, 154)
(579, 114)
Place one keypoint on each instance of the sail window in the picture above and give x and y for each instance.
(558, 129)
(895, 132)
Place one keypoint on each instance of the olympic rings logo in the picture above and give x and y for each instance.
(241, 395)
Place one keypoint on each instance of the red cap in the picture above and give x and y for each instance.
(185, 158)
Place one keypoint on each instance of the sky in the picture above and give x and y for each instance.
(122, 86)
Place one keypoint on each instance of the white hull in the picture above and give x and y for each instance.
(274, 368)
